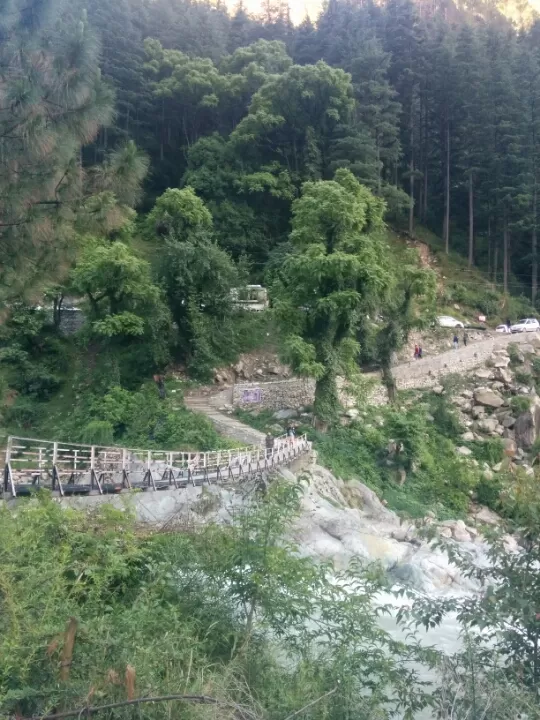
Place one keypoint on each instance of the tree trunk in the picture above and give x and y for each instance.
(389, 382)
(496, 262)
(411, 184)
(506, 259)
(471, 219)
(446, 228)
(534, 249)
(326, 405)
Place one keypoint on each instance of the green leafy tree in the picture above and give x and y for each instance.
(125, 305)
(409, 304)
(197, 276)
(334, 275)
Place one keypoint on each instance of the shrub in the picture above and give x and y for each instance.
(523, 378)
(520, 404)
(514, 353)
(488, 493)
(98, 432)
(490, 451)
(24, 412)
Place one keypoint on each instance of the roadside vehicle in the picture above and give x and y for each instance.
(526, 325)
(449, 322)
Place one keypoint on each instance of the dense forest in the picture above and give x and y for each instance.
(432, 106)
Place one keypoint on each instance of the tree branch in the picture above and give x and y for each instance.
(313, 702)
(200, 699)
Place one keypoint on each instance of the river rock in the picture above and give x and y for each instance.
(483, 514)
(484, 374)
(500, 361)
(503, 375)
(468, 436)
(510, 447)
(485, 396)
(508, 421)
(489, 425)
(459, 532)
(285, 414)
(527, 349)
(527, 426)
(478, 412)
(464, 451)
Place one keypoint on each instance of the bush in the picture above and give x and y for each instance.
(514, 353)
(488, 493)
(435, 476)
(523, 378)
(520, 404)
(98, 432)
(24, 412)
(490, 451)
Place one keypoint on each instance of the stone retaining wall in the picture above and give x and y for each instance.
(277, 395)
(426, 373)
(416, 374)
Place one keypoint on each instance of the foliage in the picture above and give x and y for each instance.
(436, 479)
(334, 276)
(198, 613)
(198, 277)
(125, 305)
(502, 619)
(408, 304)
(520, 403)
(31, 354)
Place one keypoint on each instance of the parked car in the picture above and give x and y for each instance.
(526, 325)
(502, 329)
(449, 322)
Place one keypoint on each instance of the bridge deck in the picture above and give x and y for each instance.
(74, 469)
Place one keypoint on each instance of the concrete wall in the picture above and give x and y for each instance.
(276, 395)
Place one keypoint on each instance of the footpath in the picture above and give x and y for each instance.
(225, 424)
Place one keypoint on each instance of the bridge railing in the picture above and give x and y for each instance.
(77, 469)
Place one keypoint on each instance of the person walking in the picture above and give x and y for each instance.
(465, 338)
(420, 351)
(269, 442)
(290, 433)
(456, 342)
(416, 352)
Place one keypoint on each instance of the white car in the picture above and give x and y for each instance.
(526, 325)
(449, 322)
(502, 329)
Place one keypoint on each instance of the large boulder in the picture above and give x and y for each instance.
(510, 447)
(487, 397)
(527, 426)
(503, 375)
(489, 425)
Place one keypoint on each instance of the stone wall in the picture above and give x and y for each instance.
(71, 320)
(416, 374)
(277, 395)
(426, 373)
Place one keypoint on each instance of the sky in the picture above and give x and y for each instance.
(300, 7)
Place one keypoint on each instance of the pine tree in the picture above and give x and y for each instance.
(528, 76)
(470, 114)
(53, 103)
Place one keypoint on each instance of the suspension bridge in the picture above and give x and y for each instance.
(71, 469)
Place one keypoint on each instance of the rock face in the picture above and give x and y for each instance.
(487, 397)
(527, 426)
(340, 520)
